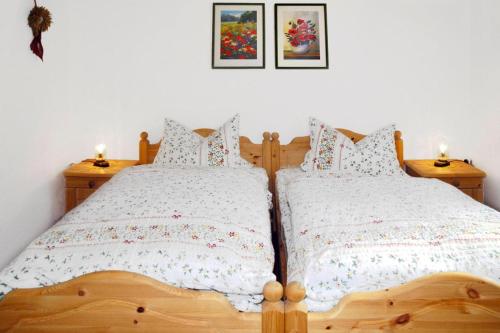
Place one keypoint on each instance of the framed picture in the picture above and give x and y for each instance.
(238, 36)
(301, 36)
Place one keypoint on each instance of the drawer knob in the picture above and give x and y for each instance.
(91, 183)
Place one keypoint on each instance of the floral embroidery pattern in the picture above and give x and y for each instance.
(181, 147)
(326, 151)
(378, 232)
(199, 228)
(374, 155)
(217, 152)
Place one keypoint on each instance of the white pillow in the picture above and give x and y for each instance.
(181, 147)
(374, 155)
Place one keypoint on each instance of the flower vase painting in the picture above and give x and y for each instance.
(301, 36)
(238, 35)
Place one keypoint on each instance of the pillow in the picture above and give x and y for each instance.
(374, 155)
(181, 147)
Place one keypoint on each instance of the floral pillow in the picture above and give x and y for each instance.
(181, 147)
(331, 150)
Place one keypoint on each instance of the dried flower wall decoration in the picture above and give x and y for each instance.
(39, 20)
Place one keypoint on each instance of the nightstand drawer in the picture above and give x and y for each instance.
(85, 183)
(464, 183)
(82, 194)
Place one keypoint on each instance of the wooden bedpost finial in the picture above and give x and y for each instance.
(143, 148)
(273, 291)
(273, 309)
(397, 135)
(275, 136)
(295, 308)
(295, 292)
(266, 136)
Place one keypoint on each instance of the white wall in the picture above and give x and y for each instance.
(114, 68)
(483, 132)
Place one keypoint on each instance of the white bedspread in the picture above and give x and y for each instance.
(202, 228)
(347, 234)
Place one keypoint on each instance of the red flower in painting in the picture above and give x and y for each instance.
(301, 32)
(250, 50)
(236, 37)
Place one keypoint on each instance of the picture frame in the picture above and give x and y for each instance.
(301, 36)
(238, 36)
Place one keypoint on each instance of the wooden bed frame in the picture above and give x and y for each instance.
(122, 301)
(444, 302)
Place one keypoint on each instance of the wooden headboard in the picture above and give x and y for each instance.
(259, 154)
(292, 154)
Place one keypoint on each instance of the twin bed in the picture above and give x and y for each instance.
(143, 251)
(364, 254)
(157, 250)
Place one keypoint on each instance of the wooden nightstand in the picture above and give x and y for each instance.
(459, 174)
(83, 179)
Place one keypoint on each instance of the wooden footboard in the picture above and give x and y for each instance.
(122, 301)
(445, 302)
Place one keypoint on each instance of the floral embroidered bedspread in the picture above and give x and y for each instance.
(199, 228)
(348, 233)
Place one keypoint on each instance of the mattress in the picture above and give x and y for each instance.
(198, 228)
(348, 233)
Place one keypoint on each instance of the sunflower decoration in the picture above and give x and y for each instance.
(39, 20)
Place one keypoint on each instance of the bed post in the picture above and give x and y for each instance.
(143, 148)
(399, 148)
(266, 156)
(275, 154)
(295, 309)
(275, 165)
(273, 316)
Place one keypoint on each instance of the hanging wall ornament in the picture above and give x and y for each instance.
(39, 21)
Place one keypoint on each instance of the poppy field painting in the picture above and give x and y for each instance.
(238, 36)
(301, 36)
